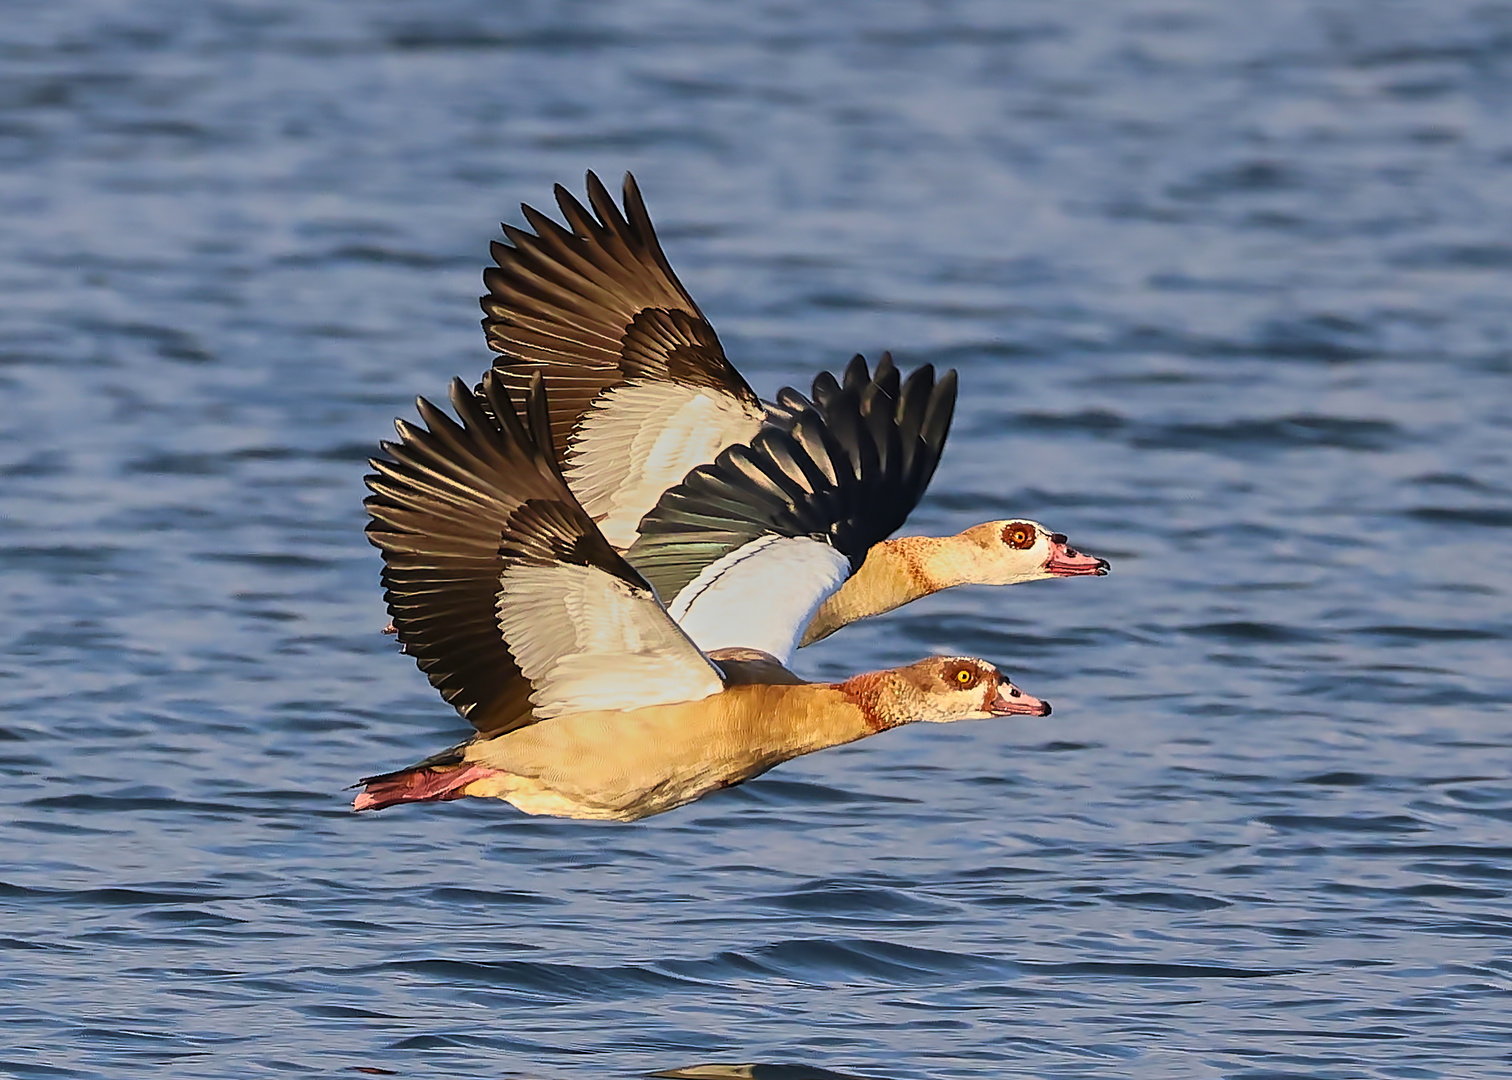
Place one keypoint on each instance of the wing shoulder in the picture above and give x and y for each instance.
(502, 588)
(791, 515)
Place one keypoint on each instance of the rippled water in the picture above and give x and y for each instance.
(1228, 288)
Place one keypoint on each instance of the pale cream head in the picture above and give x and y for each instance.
(1014, 550)
(965, 688)
(939, 690)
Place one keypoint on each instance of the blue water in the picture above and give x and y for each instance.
(1228, 287)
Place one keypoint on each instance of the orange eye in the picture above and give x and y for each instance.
(965, 677)
(1019, 535)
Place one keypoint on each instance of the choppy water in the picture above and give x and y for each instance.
(1228, 287)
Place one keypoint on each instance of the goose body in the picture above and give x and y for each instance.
(625, 765)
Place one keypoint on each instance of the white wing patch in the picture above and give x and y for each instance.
(641, 438)
(587, 640)
(761, 595)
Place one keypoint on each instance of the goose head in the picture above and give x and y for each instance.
(1016, 550)
(940, 690)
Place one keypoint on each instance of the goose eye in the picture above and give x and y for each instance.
(965, 677)
(1019, 535)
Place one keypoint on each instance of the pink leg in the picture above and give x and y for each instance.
(419, 785)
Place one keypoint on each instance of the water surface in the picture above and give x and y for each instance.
(1227, 288)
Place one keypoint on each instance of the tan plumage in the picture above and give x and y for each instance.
(624, 765)
(901, 570)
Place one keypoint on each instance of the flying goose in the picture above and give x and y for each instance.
(641, 393)
(745, 548)
(626, 716)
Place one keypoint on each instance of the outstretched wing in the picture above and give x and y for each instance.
(640, 389)
(747, 548)
(585, 628)
(474, 519)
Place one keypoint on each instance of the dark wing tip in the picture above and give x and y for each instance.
(440, 503)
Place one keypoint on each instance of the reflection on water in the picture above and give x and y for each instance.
(758, 1072)
(1226, 284)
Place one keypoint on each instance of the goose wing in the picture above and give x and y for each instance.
(640, 389)
(501, 587)
(748, 547)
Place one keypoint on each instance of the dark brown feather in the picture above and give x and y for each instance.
(439, 509)
(593, 304)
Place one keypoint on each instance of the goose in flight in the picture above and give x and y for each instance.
(641, 393)
(623, 715)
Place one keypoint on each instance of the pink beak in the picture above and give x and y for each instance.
(1068, 562)
(1011, 701)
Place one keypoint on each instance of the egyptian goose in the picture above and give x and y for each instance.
(483, 542)
(642, 393)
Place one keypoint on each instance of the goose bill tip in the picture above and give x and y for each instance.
(1066, 561)
(1020, 705)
